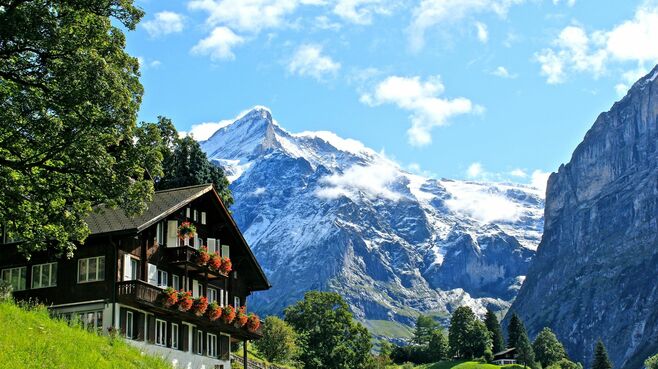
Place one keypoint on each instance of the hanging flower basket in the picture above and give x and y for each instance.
(203, 256)
(185, 300)
(228, 314)
(200, 306)
(215, 261)
(253, 322)
(214, 311)
(170, 297)
(186, 230)
(226, 266)
(241, 316)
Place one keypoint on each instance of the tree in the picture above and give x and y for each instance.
(565, 364)
(425, 326)
(468, 336)
(548, 349)
(438, 348)
(491, 321)
(278, 341)
(601, 360)
(383, 359)
(652, 362)
(514, 331)
(524, 351)
(185, 164)
(328, 335)
(69, 140)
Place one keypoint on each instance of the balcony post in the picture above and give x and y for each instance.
(244, 354)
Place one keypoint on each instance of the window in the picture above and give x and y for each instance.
(199, 290)
(236, 301)
(211, 343)
(225, 250)
(160, 332)
(203, 217)
(212, 295)
(175, 281)
(196, 215)
(129, 325)
(130, 268)
(174, 335)
(199, 342)
(91, 320)
(16, 277)
(91, 269)
(160, 233)
(187, 212)
(44, 275)
(221, 298)
(163, 278)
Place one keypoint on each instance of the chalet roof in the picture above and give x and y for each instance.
(108, 220)
(507, 351)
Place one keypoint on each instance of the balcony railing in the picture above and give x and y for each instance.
(186, 257)
(139, 290)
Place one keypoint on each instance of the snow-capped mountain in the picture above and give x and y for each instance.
(322, 212)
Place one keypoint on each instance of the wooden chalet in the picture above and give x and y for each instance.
(117, 278)
(505, 357)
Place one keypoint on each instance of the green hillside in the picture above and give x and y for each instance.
(31, 339)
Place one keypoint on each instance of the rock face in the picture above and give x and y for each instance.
(596, 270)
(322, 212)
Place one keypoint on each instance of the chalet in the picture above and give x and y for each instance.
(505, 357)
(127, 276)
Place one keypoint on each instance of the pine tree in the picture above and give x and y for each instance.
(514, 331)
(425, 326)
(525, 353)
(601, 360)
(491, 321)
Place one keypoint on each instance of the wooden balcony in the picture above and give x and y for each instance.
(185, 258)
(148, 297)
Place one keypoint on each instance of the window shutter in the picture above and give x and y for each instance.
(195, 341)
(225, 251)
(139, 326)
(151, 329)
(127, 270)
(172, 233)
(187, 212)
(212, 245)
(224, 347)
(184, 338)
(153, 274)
(122, 321)
(203, 217)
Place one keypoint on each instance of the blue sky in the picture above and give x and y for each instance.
(475, 89)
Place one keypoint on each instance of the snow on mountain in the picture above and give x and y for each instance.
(323, 212)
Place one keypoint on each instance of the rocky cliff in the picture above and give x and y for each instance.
(596, 270)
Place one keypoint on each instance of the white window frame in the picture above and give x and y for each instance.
(196, 215)
(163, 278)
(130, 326)
(37, 271)
(203, 217)
(187, 213)
(160, 233)
(160, 332)
(211, 345)
(8, 276)
(175, 281)
(199, 342)
(212, 294)
(174, 336)
(97, 276)
(236, 302)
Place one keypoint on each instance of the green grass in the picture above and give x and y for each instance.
(31, 339)
(462, 364)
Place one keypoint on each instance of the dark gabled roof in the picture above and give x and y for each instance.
(507, 351)
(108, 220)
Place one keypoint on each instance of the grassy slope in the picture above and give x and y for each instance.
(31, 339)
(463, 365)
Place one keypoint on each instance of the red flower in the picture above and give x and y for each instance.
(253, 322)
(200, 305)
(186, 230)
(203, 256)
(226, 266)
(241, 316)
(228, 315)
(185, 300)
(214, 311)
(215, 261)
(170, 297)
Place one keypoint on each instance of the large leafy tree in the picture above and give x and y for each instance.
(425, 326)
(601, 360)
(278, 341)
(438, 348)
(493, 325)
(514, 330)
(329, 336)
(468, 336)
(185, 164)
(548, 349)
(69, 96)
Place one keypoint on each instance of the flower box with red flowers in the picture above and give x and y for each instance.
(185, 300)
(226, 266)
(253, 322)
(214, 311)
(200, 305)
(214, 261)
(170, 297)
(202, 256)
(241, 316)
(228, 314)
(186, 230)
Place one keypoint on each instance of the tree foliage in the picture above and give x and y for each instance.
(69, 97)
(425, 326)
(185, 164)
(652, 362)
(548, 349)
(468, 336)
(438, 347)
(491, 321)
(525, 353)
(565, 364)
(328, 335)
(515, 330)
(278, 341)
(601, 360)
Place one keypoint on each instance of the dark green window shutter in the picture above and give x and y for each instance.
(151, 329)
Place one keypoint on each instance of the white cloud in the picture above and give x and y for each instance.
(361, 11)
(474, 170)
(218, 44)
(203, 131)
(164, 23)
(483, 34)
(629, 77)
(421, 98)
(481, 203)
(371, 181)
(519, 173)
(568, 2)
(323, 22)
(538, 179)
(430, 13)
(574, 50)
(502, 72)
(145, 64)
(309, 61)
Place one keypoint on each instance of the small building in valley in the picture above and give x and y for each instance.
(173, 281)
(505, 357)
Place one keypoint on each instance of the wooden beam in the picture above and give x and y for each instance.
(244, 353)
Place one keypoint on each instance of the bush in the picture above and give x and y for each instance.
(408, 365)
(5, 291)
(488, 355)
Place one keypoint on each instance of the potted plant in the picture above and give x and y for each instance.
(253, 322)
(186, 230)
(215, 261)
(226, 266)
(170, 297)
(203, 256)
(200, 305)
(214, 311)
(241, 316)
(185, 300)
(228, 314)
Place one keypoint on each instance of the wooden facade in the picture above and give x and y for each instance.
(116, 278)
